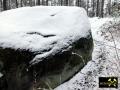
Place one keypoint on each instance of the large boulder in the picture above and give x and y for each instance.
(43, 47)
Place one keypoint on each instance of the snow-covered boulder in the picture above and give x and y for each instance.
(42, 47)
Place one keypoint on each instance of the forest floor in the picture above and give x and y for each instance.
(106, 57)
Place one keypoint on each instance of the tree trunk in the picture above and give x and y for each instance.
(66, 2)
(16, 3)
(102, 9)
(21, 3)
(93, 7)
(9, 4)
(78, 3)
(87, 6)
(46, 2)
(38, 2)
(4, 4)
(61, 2)
(109, 7)
(98, 8)
(42, 2)
(30, 2)
(1, 5)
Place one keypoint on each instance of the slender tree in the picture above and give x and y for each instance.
(109, 7)
(30, 2)
(21, 3)
(1, 5)
(61, 2)
(102, 8)
(47, 2)
(98, 8)
(16, 3)
(93, 7)
(87, 6)
(66, 2)
(42, 2)
(78, 3)
(38, 2)
(4, 4)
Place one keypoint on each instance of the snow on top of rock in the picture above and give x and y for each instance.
(42, 28)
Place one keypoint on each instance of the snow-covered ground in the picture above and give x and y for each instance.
(105, 61)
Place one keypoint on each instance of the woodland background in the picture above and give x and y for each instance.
(94, 8)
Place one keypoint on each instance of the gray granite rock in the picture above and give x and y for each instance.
(49, 73)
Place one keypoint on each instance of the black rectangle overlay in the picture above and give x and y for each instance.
(108, 82)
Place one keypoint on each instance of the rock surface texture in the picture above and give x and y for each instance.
(43, 47)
